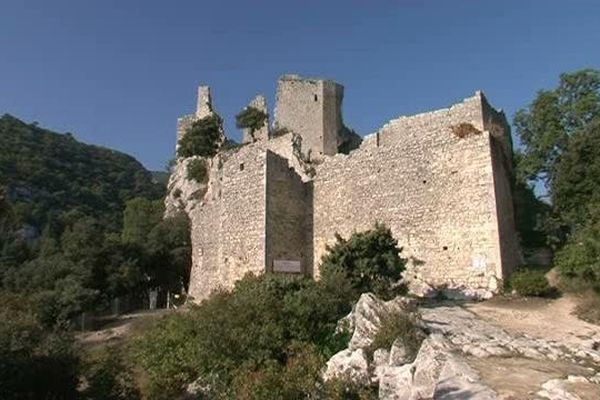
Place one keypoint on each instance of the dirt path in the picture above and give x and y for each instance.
(517, 378)
(551, 320)
(120, 328)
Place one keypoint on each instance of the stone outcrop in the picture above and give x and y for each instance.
(444, 366)
(279, 200)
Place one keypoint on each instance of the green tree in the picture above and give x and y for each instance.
(576, 185)
(140, 217)
(370, 260)
(555, 130)
(203, 138)
(36, 362)
(197, 170)
(547, 124)
(250, 118)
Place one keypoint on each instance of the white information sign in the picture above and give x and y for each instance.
(289, 266)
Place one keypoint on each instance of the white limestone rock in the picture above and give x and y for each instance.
(365, 319)
(398, 354)
(436, 373)
(381, 359)
(556, 389)
(395, 383)
(348, 364)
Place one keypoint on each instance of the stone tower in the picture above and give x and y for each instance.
(311, 108)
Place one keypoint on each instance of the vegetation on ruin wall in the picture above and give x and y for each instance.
(560, 135)
(203, 138)
(270, 337)
(197, 170)
(250, 118)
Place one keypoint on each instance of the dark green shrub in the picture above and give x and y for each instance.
(107, 377)
(370, 260)
(251, 336)
(579, 260)
(398, 325)
(197, 170)
(279, 131)
(177, 193)
(36, 362)
(530, 282)
(342, 389)
(250, 118)
(203, 138)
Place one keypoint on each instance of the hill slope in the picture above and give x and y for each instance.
(46, 174)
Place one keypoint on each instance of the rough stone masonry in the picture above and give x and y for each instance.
(440, 180)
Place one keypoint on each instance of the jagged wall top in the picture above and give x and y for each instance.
(204, 107)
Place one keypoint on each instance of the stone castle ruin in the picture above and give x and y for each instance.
(439, 180)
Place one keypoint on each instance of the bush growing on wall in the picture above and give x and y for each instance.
(370, 260)
(203, 138)
(197, 170)
(250, 118)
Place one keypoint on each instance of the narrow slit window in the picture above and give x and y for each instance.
(316, 98)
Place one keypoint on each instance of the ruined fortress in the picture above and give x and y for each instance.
(440, 180)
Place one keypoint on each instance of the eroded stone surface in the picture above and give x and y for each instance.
(348, 364)
(479, 338)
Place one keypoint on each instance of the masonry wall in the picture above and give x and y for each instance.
(228, 224)
(312, 109)
(435, 190)
(286, 205)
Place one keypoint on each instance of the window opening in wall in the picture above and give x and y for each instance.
(316, 98)
(445, 248)
(424, 181)
(241, 166)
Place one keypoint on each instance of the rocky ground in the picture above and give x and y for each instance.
(499, 349)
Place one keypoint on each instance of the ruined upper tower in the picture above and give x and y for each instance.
(312, 108)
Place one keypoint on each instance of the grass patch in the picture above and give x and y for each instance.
(398, 325)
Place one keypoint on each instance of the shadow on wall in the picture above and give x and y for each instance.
(309, 228)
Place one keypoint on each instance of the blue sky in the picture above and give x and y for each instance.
(119, 73)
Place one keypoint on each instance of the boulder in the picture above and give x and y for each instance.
(436, 373)
(398, 354)
(348, 364)
(365, 319)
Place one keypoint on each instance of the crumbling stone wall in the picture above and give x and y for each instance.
(434, 189)
(440, 180)
(228, 224)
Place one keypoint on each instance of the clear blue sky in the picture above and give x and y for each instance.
(119, 72)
